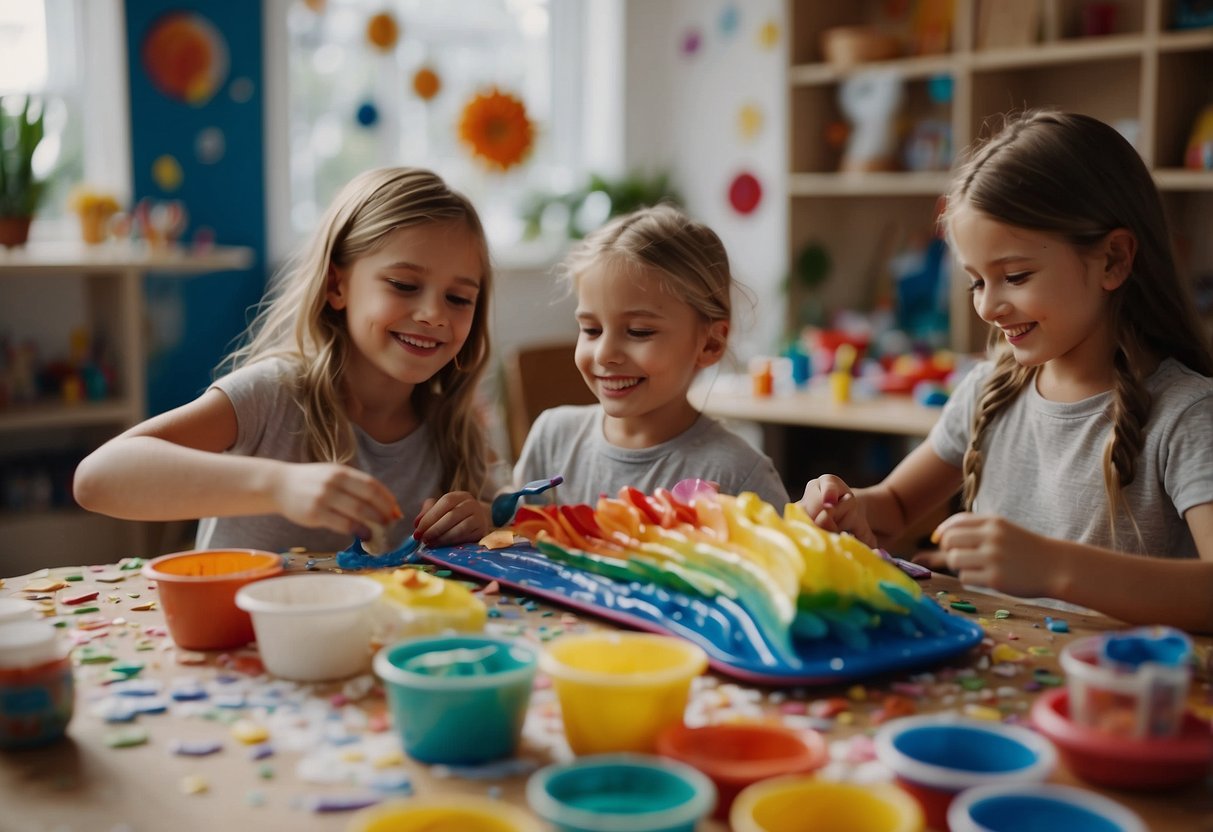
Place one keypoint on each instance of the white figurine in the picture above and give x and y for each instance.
(870, 101)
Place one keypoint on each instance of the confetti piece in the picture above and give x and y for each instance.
(249, 732)
(195, 748)
(126, 738)
(963, 606)
(1002, 613)
(194, 784)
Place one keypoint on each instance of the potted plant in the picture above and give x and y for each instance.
(20, 192)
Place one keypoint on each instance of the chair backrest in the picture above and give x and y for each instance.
(538, 377)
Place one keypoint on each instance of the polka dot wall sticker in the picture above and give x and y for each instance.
(768, 35)
(185, 57)
(166, 172)
(729, 20)
(745, 193)
(241, 90)
(749, 121)
(210, 145)
(692, 40)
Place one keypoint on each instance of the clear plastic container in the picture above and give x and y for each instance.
(37, 695)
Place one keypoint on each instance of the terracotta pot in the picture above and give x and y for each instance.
(14, 231)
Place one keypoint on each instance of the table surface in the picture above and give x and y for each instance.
(814, 407)
(327, 746)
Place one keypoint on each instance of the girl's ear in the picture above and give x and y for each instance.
(1119, 250)
(336, 287)
(714, 347)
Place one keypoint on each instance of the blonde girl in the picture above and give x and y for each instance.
(1086, 441)
(654, 303)
(351, 404)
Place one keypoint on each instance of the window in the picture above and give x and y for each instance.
(30, 66)
(528, 48)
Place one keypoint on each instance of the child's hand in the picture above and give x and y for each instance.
(991, 551)
(331, 496)
(457, 517)
(833, 507)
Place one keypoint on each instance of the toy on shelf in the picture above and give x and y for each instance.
(870, 101)
(160, 223)
(1199, 152)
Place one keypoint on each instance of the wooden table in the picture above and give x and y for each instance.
(83, 783)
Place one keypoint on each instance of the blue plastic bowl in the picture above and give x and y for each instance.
(458, 700)
(1013, 808)
(621, 793)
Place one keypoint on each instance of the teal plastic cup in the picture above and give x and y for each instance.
(621, 793)
(458, 700)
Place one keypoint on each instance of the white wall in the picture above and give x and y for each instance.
(682, 114)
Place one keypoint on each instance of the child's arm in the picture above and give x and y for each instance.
(993, 552)
(171, 467)
(876, 515)
(457, 517)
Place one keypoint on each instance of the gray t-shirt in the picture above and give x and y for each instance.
(270, 425)
(1043, 465)
(569, 440)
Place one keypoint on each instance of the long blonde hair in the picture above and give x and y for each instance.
(296, 323)
(687, 255)
(1075, 176)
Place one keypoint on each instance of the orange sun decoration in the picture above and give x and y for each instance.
(496, 128)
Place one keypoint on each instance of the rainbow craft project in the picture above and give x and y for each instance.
(771, 597)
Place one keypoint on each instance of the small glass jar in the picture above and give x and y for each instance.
(36, 690)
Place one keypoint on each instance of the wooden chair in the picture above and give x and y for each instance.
(538, 377)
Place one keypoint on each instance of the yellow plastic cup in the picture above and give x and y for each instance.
(617, 691)
(790, 804)
(444, 813)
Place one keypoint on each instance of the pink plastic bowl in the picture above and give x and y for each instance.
(1125, 762)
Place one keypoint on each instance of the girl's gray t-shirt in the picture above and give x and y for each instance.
(568, 440)
(1043, 466)
(270, 425)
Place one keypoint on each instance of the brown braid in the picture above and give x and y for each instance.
(1129, 412)
(1006, 380)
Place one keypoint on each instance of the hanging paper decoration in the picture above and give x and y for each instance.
(210, 145)
(368, 114)
(745, 193)
(730, 20)
(185, 57)
(768, 35)
(691, 41)
(382, 31)
(495, 127)
(749, 121)
(316, 5)
(426, 83)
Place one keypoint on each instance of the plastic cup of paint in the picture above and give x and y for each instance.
(1131, 684)
(198, 594)
(443, 813)
(617, 691)
(1020, 806)
(621, 793)
(934, 757)
(312, 627)
(1141, 763)
(36, 689)
(796, 802)
(458, 699)
(735, 755)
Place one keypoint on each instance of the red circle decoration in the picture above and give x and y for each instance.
(745, 192)
(185, 57)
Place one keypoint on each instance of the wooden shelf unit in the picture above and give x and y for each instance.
(1144, 77)
(113, 284)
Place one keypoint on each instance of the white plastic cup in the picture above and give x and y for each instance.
(1142, 702)
(17, 609)
(312, 627)
(1018, 806)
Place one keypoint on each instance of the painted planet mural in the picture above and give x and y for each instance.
(185, 57)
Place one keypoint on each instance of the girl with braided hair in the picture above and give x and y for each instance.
(1083, 448)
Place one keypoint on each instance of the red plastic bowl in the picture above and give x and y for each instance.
(735, 755)
(1125, 762)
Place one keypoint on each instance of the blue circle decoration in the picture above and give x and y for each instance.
(368, 114)
(730, 20)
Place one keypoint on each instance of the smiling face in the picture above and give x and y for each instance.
(1048, 297)
(639, 349)
(409, 305)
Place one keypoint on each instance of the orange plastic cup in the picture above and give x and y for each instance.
(735, 755)
(198, 594)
